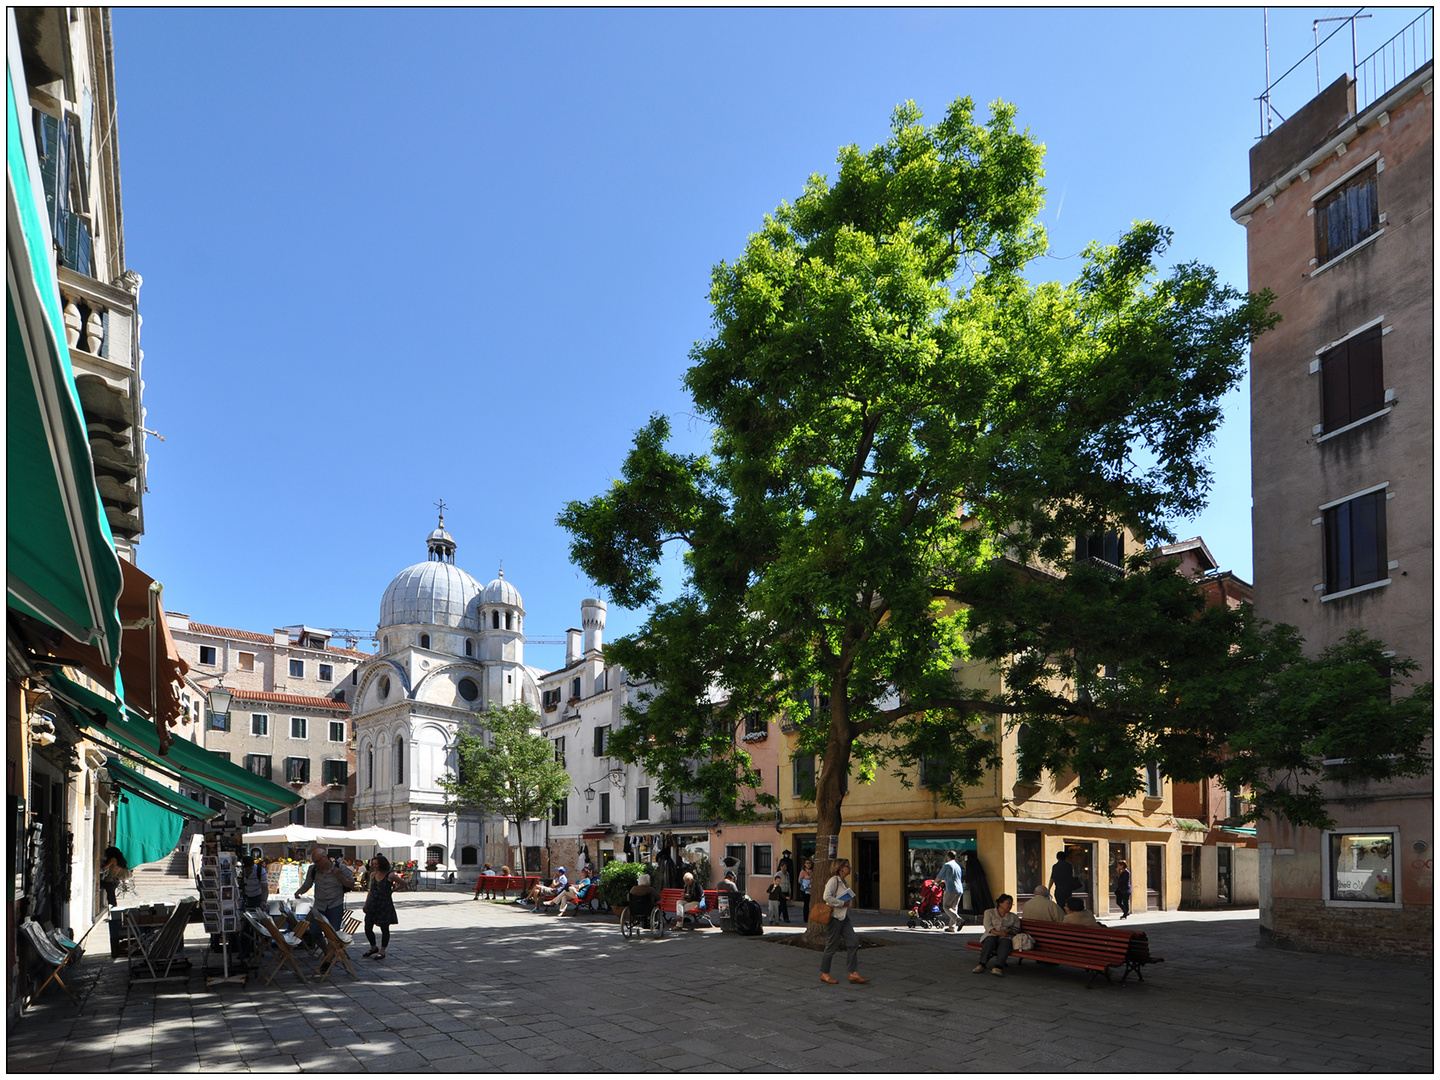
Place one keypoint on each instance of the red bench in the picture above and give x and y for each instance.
(1096, 949)
(502, 884)
(670, 897)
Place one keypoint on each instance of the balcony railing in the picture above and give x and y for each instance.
(1400, 57)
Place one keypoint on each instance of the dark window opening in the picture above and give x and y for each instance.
(1355, 543)
(560, 813)
(1107, 547)
(604, 818)
(1347, 215)
(336, 813)
(1352, 380)
(802, 770)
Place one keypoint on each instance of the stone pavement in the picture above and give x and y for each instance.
(477, 986)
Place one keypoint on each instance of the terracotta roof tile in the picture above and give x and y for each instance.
(356, 653)
(225, 631)
(290, 699)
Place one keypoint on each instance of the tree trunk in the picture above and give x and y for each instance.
(829, 798)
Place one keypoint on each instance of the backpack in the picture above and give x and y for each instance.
(747, 918)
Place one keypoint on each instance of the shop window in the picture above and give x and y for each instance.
(337, 730)
(297, 669)
(207, 655)
(1361, 867)
(259, 724)
(604, 818)
(1355, 547)
(336, 815)
(327, 672)
(299, 727)
(560, 812)
(802, 775)
(642, 804)
(925, 854)
(1347, 215)
(259, 764)
(469, 856)
(297, 770)
(335, 772)
(760, 856)
(1030, 867)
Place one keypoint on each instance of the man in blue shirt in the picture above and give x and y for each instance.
(951, 880)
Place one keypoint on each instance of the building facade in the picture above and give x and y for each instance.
(1340, 226)
(449, 648)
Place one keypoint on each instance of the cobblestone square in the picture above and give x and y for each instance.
(473, 986)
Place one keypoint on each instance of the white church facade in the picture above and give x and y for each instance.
(449, 648)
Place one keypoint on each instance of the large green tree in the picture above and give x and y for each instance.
(907, 440)
(512, 772)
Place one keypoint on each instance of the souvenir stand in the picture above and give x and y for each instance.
(220, 902)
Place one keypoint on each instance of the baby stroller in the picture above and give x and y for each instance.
(926, 911)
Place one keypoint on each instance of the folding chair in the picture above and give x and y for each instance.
(353, 923)
(335, 944)
(282, 941)
(161, 953)
(54, 958)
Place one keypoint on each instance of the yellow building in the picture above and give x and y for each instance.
(896, 836)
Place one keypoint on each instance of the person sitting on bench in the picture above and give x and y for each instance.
(544, 892)
(570, 895)
(1077, 915)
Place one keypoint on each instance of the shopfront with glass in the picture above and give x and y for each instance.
(924, 854)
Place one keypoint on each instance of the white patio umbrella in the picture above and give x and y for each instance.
(288, 834)
(383, 838)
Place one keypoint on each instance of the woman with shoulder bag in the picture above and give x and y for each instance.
(379, 907)
(834, 912)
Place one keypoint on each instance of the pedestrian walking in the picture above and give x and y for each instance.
(1063, 879)
(255, 880)
(114, 871)
(840, 929)
(950, 879)
(331, 878)
(380, 906)
(1122, 888)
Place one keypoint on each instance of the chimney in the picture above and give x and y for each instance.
(592, 618)
(572, 646)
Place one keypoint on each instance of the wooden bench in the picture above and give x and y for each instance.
(1096, 949)
(670, 897)
(501, 884)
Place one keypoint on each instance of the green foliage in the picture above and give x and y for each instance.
(617, 879)
(906, 439)
(512, 773)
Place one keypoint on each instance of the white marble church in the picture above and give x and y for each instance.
(448, 647)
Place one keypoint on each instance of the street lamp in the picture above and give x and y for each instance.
(589, 794)
(219, 697)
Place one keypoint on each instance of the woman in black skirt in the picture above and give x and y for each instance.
(379, 907)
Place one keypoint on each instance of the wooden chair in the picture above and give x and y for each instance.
(53, 957)
(282, 942)
(160, 959)
(336, 941)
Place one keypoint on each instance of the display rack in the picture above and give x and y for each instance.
(220, 902)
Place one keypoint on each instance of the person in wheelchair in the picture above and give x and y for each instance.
(643, 900)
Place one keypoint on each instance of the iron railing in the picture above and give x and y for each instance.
(1399, 58)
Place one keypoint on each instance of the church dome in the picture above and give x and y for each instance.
(433, 593)
(501, 591)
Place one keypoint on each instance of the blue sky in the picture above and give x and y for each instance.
(392, 256)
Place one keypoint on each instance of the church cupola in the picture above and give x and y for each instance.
(441, 544)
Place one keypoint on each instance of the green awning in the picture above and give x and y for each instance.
(61, 565)
(103, 718)
(145, 832)
(146, 788)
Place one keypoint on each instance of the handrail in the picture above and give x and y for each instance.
(1414, 51)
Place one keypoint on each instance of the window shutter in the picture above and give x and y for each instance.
(1367, 381)
(1335, 387)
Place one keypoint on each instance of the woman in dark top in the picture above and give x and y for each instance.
(1122, 888)
(379, 907)
(111, 873)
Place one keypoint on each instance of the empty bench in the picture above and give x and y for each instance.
(1095, 949)
(501, 884)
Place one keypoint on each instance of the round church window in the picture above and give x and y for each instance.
(384, 687)
(468, 690)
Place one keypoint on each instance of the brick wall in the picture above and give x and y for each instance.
(1309, 926)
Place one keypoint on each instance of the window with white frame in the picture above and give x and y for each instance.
(299, 727)
(760, 855)
(207, 655)
(259, 724)
(1361, 866)
(337, 730)
(1355, 542)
